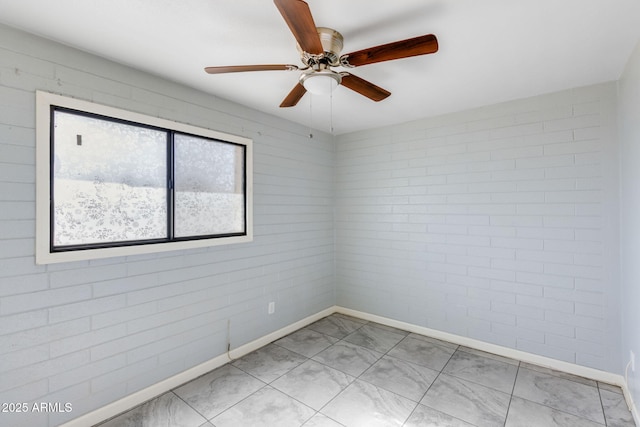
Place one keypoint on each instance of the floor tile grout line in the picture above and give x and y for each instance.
(513, 388)
(238, 402)
(382, 388)
(410, 414)
(358, 378)
(407, 336)
(319, 411)
(604, 414)
(436, 378)
(265, 384)
(476, 382)
(355, 378)
(558, 409)
(269, 384)
(559, 374)
(190, 406)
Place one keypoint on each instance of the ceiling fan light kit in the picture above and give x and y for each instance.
(320, 82)
(320, 49)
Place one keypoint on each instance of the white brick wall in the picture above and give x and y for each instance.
(495, 223)
(629, 112)
(93, 332)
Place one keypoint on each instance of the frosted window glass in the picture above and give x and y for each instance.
(209, 187)
(109, 181)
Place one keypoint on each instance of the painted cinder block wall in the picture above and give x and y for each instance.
(629, 124)
(92, 332)
(498, 224)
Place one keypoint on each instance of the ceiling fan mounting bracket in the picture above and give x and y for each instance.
(344, 61)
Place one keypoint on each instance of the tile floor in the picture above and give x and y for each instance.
(343, 371)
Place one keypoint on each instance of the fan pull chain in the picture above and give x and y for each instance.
(331, 113)
(310, 117)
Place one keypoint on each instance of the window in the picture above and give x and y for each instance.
(113, 183)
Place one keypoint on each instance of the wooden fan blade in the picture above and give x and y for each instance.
(297, 15)
(363, 87)
(421, 45)
(294, 96)
(243, 68)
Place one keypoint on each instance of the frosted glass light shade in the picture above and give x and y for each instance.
(321, 83)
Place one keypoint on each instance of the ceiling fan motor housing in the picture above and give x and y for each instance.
(332, 43)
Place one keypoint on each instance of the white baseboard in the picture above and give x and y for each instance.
(634, 408)
(558, 365)
(523, 356)
(139, 397)
(135, 399)
(631, 404)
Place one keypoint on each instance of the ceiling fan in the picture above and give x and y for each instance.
(320, 49)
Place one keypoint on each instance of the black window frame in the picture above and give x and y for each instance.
(170, 186)
(59, 253)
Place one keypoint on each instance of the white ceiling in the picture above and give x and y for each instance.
(490, 50)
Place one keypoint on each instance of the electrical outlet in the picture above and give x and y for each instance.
(632, 358)
(272, 307)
